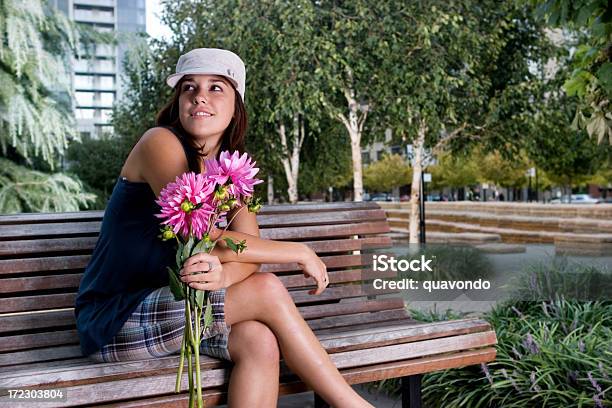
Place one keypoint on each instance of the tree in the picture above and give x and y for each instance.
(591, 79)
(494, 168)
(568, 156)
(457, 73)
(36, 120)
(352, 46)
(386, 174)
(455, 171)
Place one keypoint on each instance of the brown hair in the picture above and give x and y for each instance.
(232, 139)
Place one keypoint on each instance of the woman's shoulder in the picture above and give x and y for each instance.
(159, 135)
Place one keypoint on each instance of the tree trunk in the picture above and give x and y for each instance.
(270, 189)
(291, 156)
(417, 169)
(354, 126)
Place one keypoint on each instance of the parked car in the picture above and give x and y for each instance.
(380, 197)
(576, 199)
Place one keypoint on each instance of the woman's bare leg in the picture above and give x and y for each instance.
(263, 297)
(254, 378)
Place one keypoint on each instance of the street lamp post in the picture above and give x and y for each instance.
(422, 212)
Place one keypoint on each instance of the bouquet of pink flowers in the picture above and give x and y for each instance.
(191, 207)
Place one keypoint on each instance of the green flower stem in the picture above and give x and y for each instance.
(190, 376)
(190, 347)
(197, 356)
(179, 376)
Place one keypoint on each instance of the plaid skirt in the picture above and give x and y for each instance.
(155, 329)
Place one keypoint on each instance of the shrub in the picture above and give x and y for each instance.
(553, 353)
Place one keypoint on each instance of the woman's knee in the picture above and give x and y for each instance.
(268, 284)
(253, 340)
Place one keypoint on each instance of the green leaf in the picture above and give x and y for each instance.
(200, 295)
(237, 247)
(202, 246)
(604, 76)
(208, 314)
(187, 248)
(179, 253)
(176, 285)
(231, 244)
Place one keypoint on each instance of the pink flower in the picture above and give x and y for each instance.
(187, 202)
(239, 169)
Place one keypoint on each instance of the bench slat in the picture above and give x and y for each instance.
(164, 383)
(266, 209)
(25, 341)
(265, 221)
(29, 341)
(352, 376)
(86, 244)
(65, 300)
(43, 246)
(32, 283)
(12, 232)
(64, 318)
(417, 334)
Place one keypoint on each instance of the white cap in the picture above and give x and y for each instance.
(211, 61)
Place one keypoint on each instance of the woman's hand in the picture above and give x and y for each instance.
(203, 272)
(313, 266)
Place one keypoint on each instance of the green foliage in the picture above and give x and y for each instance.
(145, 68)
(98, 162)
(385, 174)
(494, 168)
(36, 118)
(567, 155)
(591, 77)
(35, 112)
(326, 161)
(551, 353)
(453, 171)
(26, 190)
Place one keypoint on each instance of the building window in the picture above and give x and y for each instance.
(83, 81)
(85, 98)
(104, 130)
(365, 158)
(380, 154)
(105, 65)
(107, 82)
(81, 65)
(396, 150)
(107, 98)
(85, 113)
(105, 115)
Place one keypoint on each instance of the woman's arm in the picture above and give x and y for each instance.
(234, 272)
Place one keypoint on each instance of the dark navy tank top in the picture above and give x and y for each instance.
(128, 262)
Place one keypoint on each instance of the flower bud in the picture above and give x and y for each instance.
(168, 234)
(221, 193)
(254, 208)
(186, 206)
(232, 202)
(224, 207)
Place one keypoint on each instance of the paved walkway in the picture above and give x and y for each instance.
(306, 399)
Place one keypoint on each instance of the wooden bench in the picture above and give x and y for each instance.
(368, 334)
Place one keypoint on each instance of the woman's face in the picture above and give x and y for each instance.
(206, 107)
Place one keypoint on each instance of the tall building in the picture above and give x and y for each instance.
(97, 81)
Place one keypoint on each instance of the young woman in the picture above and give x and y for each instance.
(124, 307)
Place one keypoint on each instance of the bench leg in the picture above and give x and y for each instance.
(320, 402)
(411, 391)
